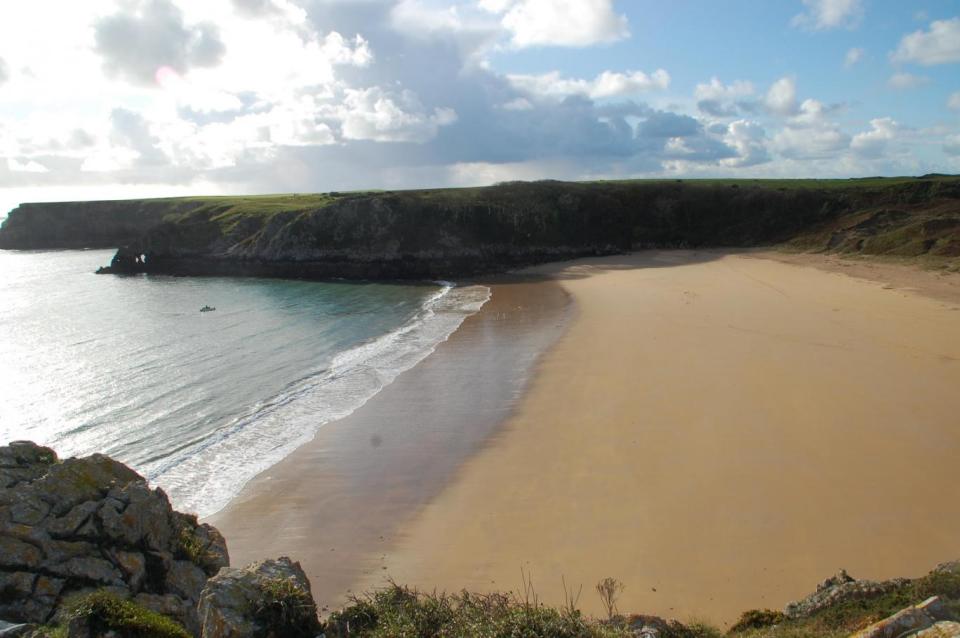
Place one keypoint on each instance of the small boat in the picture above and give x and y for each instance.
(207, 309)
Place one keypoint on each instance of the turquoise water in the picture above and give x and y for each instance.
(199, 402)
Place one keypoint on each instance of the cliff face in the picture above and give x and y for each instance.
(83, 224)
(461, 232)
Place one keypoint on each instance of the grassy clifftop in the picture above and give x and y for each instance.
(455, 232)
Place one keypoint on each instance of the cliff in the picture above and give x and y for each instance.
(84, 224)
(451, 233)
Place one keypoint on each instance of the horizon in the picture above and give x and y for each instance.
(158, 98)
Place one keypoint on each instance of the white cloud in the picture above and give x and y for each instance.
(4, 72)
(939, 45)
(28, 166)
(904, 81)
(781, 98)
(749, 140)
(717, 90)
(572, 23)
(853, 57)
(953, 101)
(373, 114)
(829, 14)
(606, 85)
(804, 143)
(872, 143)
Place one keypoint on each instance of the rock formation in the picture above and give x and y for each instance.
(92, 523)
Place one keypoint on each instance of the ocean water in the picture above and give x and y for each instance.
(200, 403)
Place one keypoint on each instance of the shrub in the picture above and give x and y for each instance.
(286, 609)
(757, 619)
(104, 612)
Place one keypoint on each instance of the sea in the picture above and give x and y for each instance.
(200, 402)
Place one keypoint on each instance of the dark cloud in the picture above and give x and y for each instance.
(663, 124)
(136, 43)
(130, 130)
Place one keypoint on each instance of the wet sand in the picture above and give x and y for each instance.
(336, 503)
(720, 433)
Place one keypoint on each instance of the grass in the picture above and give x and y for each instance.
(106, 612)
(849, 616)
(400, 612)
(287, 609)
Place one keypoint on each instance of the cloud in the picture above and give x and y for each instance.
(953, 102)
(724, 100)
(939, 45)
(372, 114)
(136, 45)
(829, 14)
(570, 23)
(717, 90)
(952, 146)
(749, 140)
(874, 142)
(606, 85)
(821, 143)
(853, 57)
(4, 72)
(28, 166)
(905, 81)
(663, 124)
(781, 98)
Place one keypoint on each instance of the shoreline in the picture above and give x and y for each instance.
(335, 503)
(786, 413)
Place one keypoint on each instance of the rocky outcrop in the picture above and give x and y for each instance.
(839, 589)
(922, 617)
(266, 599)
(85, 524)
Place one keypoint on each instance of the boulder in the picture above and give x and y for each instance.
(942, 629)
(92, 523)
(266, 599)
(908, 621)
(839, 589)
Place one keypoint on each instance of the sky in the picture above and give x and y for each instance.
(106, 99)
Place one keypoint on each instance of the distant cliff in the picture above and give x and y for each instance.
(462, 232)
(84, 224)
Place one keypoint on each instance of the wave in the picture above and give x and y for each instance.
(205, 475)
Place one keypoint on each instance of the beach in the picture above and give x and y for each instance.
(717, 431)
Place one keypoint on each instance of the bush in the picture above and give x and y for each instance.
(287, 610)
(757, 619)
(103, 612)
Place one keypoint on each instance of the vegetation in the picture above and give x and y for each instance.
(846, 617)
(400, 612)
(287, 609)
(103, 612)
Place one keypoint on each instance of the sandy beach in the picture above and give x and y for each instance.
(717, 431)
(335, 504)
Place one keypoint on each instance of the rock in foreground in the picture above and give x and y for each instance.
(86, 524)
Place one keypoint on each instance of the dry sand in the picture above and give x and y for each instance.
(719, 432)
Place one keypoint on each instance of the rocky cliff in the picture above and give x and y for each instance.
(459, 232)
(85, 543)
(84, 224)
